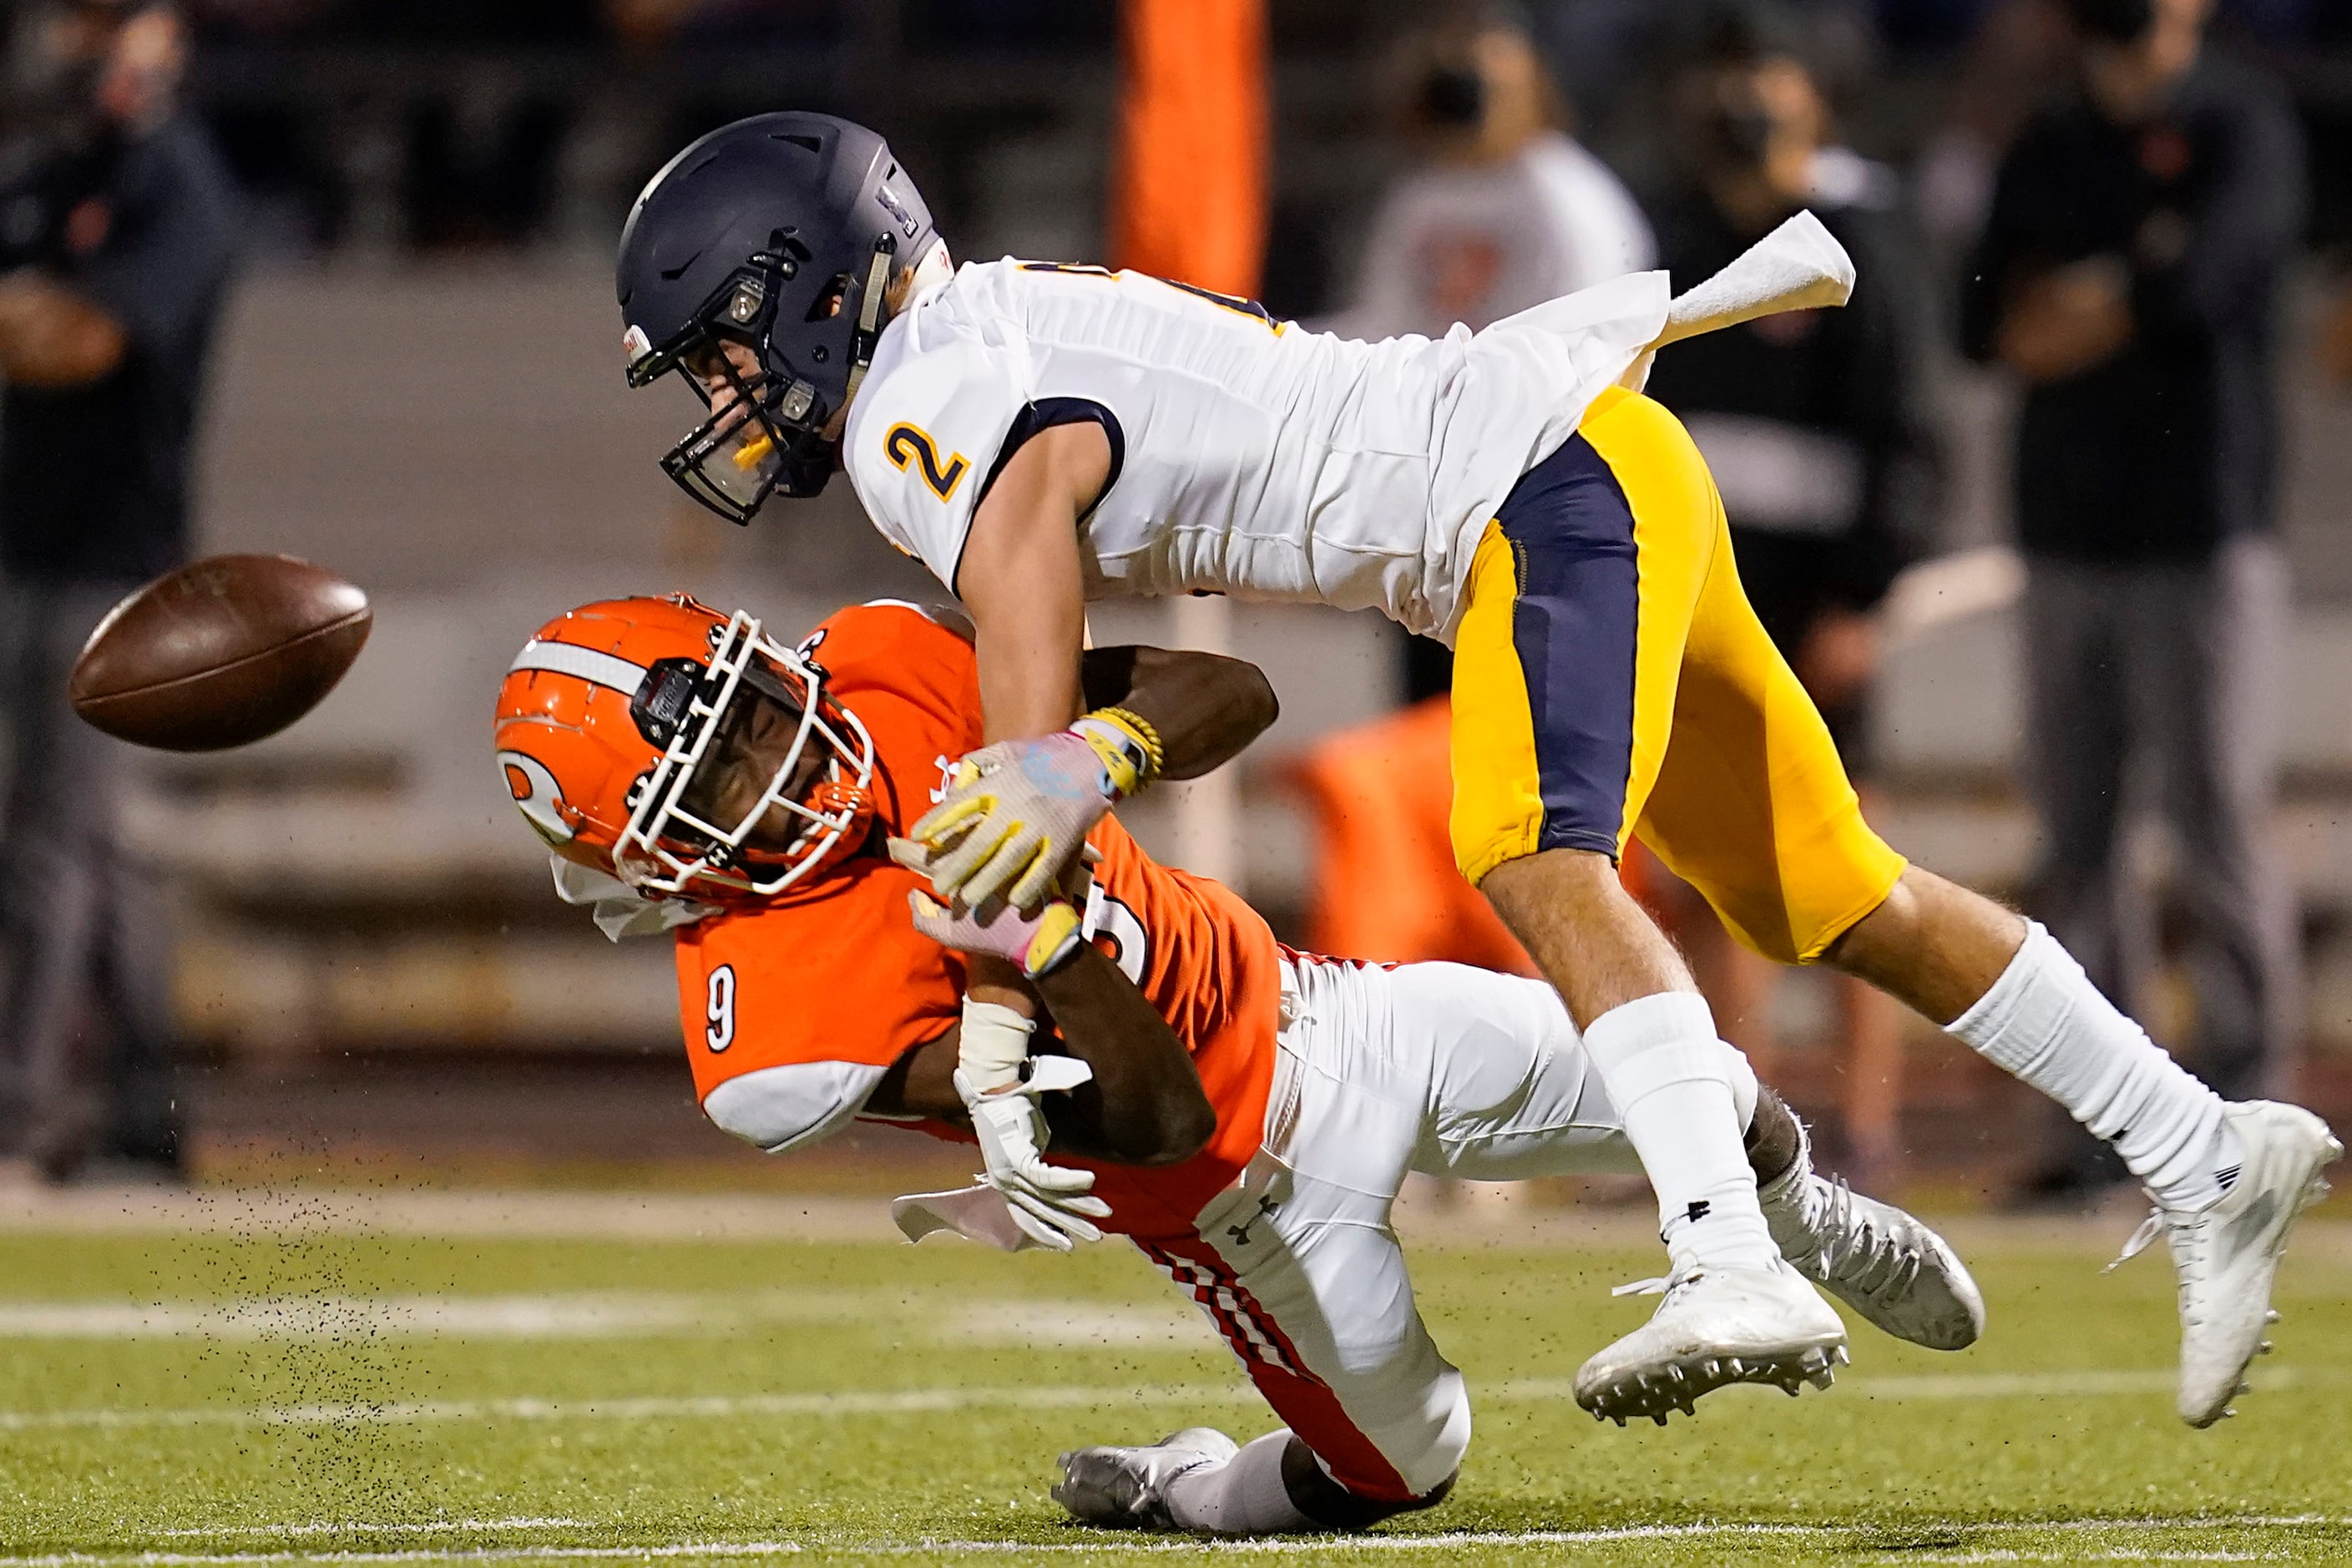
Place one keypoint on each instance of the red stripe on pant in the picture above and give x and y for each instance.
(1305, 1402)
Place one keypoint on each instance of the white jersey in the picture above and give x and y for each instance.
(1250, 457)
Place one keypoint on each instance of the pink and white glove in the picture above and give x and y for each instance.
(1034, 943)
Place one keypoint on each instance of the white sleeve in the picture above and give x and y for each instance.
(921, 440)
(781, 1108)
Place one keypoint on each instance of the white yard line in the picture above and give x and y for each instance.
(413, 1527)
(900, 1402)
(259, 1211)
(605, 1314)
(925, 1401)
(1447, 1541)
(563, 1315)
(552, 1213)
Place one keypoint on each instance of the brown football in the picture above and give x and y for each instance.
(219, 653)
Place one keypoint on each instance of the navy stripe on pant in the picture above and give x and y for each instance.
(1574, 626)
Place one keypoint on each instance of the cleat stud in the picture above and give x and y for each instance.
(2272, 1316)
(2245, 1388)
(1842, 1357)
(2265, 1348)
(1659, 1416)
(1620, 1421)
(1735, 1368)
(1789, 1389)
(1710, 1367)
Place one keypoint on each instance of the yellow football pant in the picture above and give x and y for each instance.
(1610, 679)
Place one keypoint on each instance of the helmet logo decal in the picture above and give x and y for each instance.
(536, 795)
(807, 651)
(911, 443)
(634, 344)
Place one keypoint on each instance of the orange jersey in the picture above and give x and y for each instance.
(833, 970)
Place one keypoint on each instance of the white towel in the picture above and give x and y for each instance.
(977, 1214)
(1798, 266)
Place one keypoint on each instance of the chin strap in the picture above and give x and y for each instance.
(869, 317)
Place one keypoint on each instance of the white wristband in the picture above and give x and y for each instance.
(993, 1044)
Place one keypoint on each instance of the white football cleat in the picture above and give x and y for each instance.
(2227, 1254)
(1127, 1488)
(1716, 1327)
(1904, 1279)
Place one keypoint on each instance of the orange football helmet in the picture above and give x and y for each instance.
(606, 714)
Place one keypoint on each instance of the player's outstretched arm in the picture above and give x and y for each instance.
(1020, 578)
(1144, 1106)
(1206, 708)
(1015, 816)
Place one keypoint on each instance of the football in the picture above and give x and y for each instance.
(219, 653)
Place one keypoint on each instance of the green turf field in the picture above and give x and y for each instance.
(225, 1400)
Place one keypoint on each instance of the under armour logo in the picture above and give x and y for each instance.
(1240, 1232)
(1697, 1211)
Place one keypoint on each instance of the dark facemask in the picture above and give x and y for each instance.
(1738, 134)
(1452, 97)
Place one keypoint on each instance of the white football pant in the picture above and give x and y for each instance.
(1434, 1068)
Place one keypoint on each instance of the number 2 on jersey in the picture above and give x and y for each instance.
(912, 444)
(718, 1032)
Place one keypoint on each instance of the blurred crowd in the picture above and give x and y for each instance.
(425, 124)
(2107, 215)
(2099, 198)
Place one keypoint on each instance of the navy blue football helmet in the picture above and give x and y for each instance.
(779, 235)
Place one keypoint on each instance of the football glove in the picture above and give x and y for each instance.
(1016, 813)
(1034, 943)
(1049, 1202)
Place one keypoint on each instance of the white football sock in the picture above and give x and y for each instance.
(1242, 1496)
(1678, 1091)
(2044, 1022)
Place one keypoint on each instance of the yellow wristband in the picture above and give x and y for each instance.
(1127, 744)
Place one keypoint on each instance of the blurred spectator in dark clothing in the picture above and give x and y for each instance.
(1502, 209)
(2022, 53)
(2129, 273)
(121, 237)
(1816, 426)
